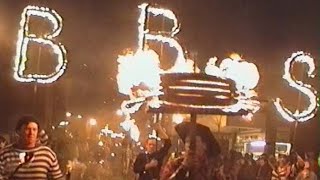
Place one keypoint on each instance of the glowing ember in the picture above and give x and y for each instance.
(153, 135)
(24, 38)
(100, 143)
(129, 125)
(235, 56)
(304, 88)
(107, 132)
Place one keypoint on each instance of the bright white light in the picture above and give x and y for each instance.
(79, 116)
(119, 112)
(68, 114)
(63, 123)
(246, 77)
(306, 89)
(153, 135)
(245, 74)
(92, 122)
(139, 68)
(113, 154)
(100, 143)
(129, 125)
(101, 161)
(199, 88)
(177, 118)
(258, 143)
(135, 133)
(24, 38)
(107, 132)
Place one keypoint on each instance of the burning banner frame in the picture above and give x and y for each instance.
(141, 78)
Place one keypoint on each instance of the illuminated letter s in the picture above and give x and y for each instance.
(304, 88)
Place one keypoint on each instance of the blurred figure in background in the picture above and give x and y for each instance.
(3, 142)
(148, 164)
(43, 138)
(282, 170)
(264, 170)
(297, 165)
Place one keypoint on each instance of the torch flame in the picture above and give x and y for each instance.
(235, 56)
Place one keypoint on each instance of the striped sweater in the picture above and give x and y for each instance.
(42, 164)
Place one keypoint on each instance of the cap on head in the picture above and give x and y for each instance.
(25, 120)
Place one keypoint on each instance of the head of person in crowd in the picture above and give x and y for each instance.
(262, 160)
(242, 161)
(247, 156)
(151, 145)
(3, 142)
(27, 129)
(199, 142)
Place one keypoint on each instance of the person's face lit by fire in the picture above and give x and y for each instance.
(199, 149)
(194, 152)
(151, 145)
(28, 135)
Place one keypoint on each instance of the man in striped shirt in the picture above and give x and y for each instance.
(26, 159)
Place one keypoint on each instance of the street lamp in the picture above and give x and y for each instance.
(68, 114)
(63, 123)
(92, 122)
(100, 143)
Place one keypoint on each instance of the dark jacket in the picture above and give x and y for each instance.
(264, 172)
(144, 158)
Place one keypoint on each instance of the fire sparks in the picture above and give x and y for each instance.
(24, 38)
(306, 89)
(107, 132)
(139, 75)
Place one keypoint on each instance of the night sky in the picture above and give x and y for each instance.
(265, 32)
